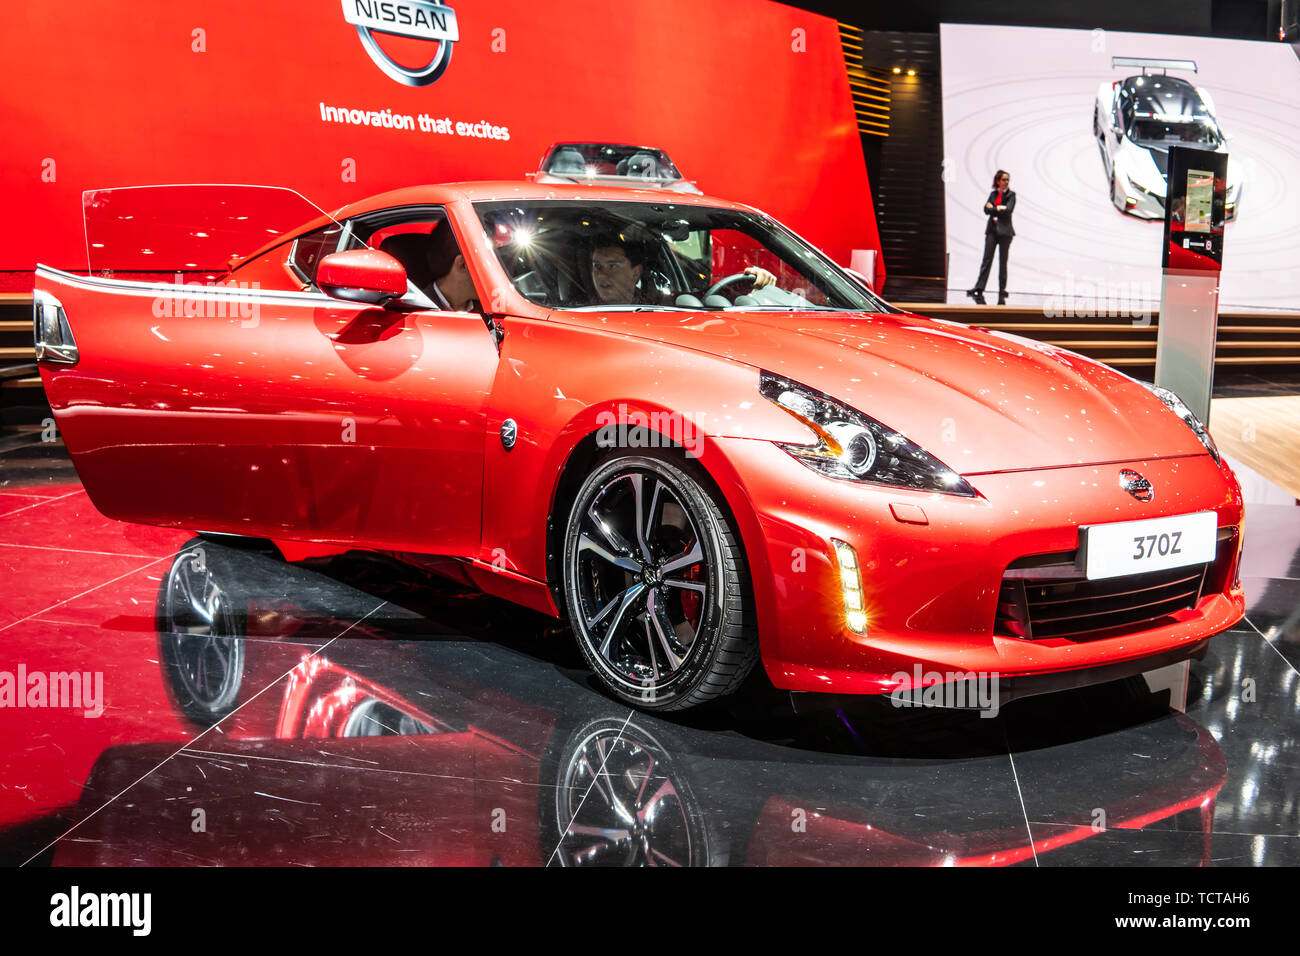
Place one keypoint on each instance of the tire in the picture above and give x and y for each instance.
(201, 620)
(661, 631)
(619, 797)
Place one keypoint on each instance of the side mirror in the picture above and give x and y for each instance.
(362, 275)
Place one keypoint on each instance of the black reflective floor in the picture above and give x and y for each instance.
(358, 712)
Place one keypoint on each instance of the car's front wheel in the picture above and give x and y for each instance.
(656, 584)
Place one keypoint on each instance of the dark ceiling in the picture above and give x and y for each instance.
(1238, 19)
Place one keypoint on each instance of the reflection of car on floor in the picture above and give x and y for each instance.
(720, 448)
(423, 765)
(1137, 119)
(611, 164)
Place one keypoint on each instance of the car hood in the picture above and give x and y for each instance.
(978, 400)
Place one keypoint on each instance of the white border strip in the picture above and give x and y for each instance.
(173, 290)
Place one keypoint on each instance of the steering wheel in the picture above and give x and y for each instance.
(738, 283)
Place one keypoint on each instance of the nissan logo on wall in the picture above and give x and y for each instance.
(416, 19)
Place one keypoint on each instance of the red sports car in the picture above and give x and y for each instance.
(664, 417)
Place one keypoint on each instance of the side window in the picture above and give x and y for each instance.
(308, 251)
(1126, 113)
(422, 240)
(734, 251)
(409, 241)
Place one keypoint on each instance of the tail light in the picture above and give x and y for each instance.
(50, 331)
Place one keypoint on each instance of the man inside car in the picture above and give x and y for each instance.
(452, 288)
(617, 266)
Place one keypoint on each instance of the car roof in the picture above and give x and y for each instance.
(492, 190)
(524, 190)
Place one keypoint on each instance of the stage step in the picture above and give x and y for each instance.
(1245, 338)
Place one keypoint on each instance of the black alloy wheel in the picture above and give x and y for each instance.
(619, 801)
(656, 585)
(201, 632)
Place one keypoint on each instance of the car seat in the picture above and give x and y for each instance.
(640, 166)
(411, 249)
(567, 162)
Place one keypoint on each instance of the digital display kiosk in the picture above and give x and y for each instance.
(1195, 205)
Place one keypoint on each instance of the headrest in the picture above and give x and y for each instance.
(568, 162)
(643, 165)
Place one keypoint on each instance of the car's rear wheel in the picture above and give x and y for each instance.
(201, 632)
(656, 584)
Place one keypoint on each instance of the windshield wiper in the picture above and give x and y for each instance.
(629, 308)
(788, 308)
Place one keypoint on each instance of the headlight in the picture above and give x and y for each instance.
(1177, 406)
(1143, 189)
(857, 447)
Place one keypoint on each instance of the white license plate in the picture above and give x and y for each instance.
(1152, 544)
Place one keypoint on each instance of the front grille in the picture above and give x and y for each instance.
(1081, 609)
(1046, 595)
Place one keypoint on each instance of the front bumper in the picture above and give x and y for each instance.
(1139, 202)
(931, 590)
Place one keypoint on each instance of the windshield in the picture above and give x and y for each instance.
(1154, 132)
(569, 254)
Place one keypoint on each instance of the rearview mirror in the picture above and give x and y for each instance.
(678, 230)
(362, 275)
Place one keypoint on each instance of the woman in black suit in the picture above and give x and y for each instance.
(997, 235)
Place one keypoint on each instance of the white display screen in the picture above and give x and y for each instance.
(1200, 201)
(1024, 99)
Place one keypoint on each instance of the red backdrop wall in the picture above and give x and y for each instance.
(751, 99)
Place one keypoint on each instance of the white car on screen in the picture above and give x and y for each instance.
(1137, 119)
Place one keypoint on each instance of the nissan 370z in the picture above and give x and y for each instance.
(664, 417)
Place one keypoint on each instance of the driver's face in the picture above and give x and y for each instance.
(614, 276)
